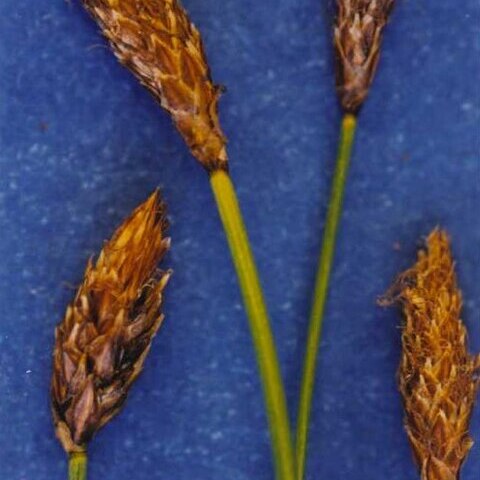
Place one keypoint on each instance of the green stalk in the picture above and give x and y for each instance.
(321, 289)
(77, 466)
(266, 354)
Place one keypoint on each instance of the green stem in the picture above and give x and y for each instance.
(266, 354)
(77, 466)
(321, 290)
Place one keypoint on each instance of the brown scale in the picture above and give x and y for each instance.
(102, 343)
(159, 44)
(358, 36)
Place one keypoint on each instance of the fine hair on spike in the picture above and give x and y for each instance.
(438, 377)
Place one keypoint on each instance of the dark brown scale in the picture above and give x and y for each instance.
(358, 35)
(103, 340)
(157, 42)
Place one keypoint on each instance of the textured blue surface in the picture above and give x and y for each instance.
(81, 144)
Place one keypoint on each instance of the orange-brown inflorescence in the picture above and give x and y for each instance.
(358, 37)
(438, 378)
(156, 40)
(101, 344)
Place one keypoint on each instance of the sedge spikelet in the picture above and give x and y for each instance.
(358, 36)
(159, 44)
(107, 331)
(438, 378)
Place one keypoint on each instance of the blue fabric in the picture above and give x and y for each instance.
(81, 144)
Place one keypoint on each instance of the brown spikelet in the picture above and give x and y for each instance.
(156, 40)
(358, 37)
(438, 378)
(101, 344)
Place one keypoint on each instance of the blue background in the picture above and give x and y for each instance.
(81, 144)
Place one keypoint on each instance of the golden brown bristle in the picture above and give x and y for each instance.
(438, 378)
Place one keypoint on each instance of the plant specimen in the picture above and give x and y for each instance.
(357, 40)
(438, 378)
(107, 331)
(157, 42)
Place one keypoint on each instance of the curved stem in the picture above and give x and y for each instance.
(321, 290)
(266, 354)
(77, 466)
